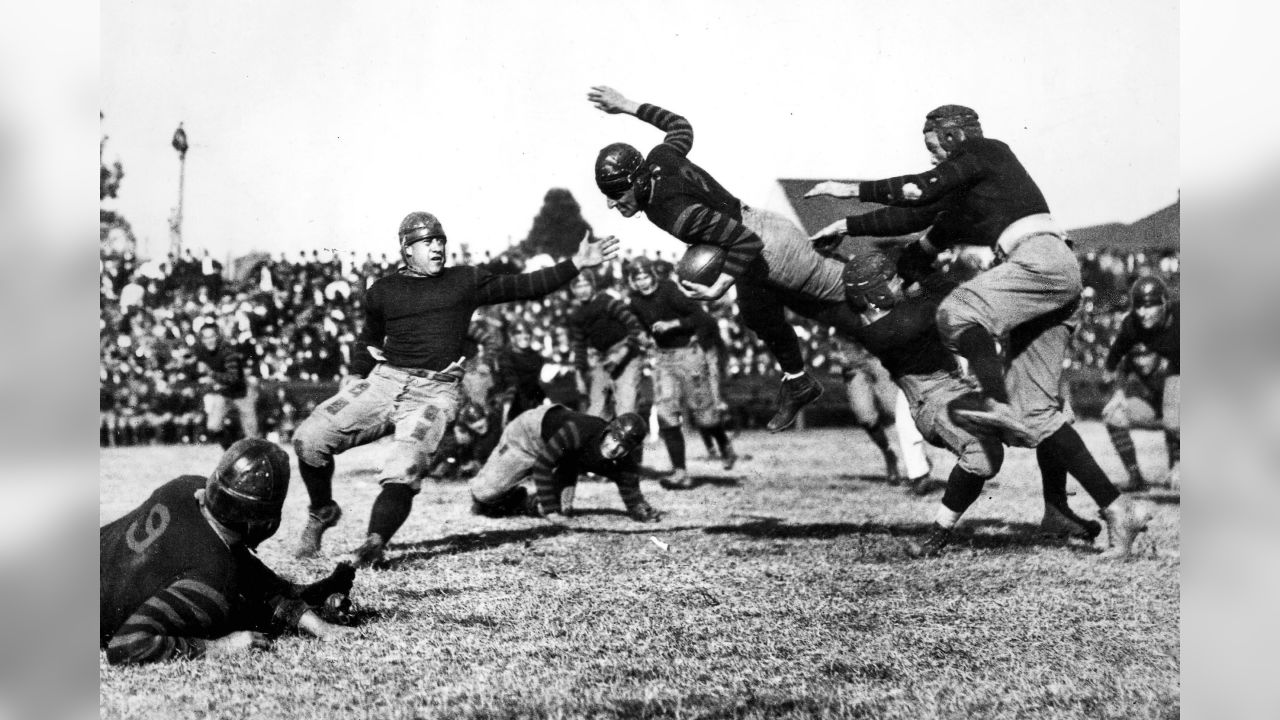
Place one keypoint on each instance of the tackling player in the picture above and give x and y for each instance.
(902, 332)
(680, 379)
(178, 577)
(979, 194)
(768, 258)
(552, 445)
(406, 375)
(1144, 364)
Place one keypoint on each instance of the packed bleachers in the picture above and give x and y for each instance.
(295, 319)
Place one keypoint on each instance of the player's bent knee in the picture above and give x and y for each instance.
(953, 317)
(982, 459)
(310, 445)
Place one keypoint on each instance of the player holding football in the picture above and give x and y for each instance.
(681, 381)
(768, 258)
(979, 194)
(902, 332)
(552, 445)
(178, 577)
(406, 375)
(1144, 364)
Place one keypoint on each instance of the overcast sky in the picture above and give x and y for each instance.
(320, 124)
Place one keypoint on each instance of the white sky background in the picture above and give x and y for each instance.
(320, 124)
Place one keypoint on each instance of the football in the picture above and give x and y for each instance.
(701, 264)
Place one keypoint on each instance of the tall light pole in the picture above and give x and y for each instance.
(175, 220)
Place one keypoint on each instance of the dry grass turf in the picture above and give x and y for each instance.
(780, 589)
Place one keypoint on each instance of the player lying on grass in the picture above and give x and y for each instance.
(178, 576)
(768, 259)
(406, 375)
(551, 446)
(681, 382)
(1144, 366)
(901, 331)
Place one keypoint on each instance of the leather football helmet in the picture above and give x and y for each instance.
(246, 490)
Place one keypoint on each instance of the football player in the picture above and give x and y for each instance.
(767, 258)
(551, 446)
(224, 380)
(1144, 366)
(680, 368)
(406, 375)
(978, 193)
(605, 325)
(902, 332)
(178, 577)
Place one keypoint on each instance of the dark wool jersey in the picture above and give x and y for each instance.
(969, 198)
(668, 303)
(600, 323)
(422, 322)
(168, 583)
(906, 341)
(226, 367)
(1163, 339)
(521, 370)
(571, 446)
(687, 202)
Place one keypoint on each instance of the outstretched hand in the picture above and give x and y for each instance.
(591, 254)
(829, 236)
(834, 189)
(606, 99)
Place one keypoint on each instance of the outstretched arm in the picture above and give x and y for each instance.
(502, 288)
(679, 131)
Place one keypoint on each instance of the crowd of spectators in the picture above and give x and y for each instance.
(295, 319)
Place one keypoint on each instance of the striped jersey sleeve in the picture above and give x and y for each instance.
(568, 438)
(628, 482)
(623, 313)
(173, 623)
(578, 344)
(950, 175)
(698, 224)
(679, 131)
(507, 287)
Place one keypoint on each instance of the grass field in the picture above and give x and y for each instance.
(781, 589)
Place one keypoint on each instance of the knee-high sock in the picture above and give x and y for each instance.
(674, 439)
(318, 481)
(1122, 440)
(1173, 442)
(707, 439)
(1053, 482)
(881, 439)
(722, 440)
(963, 488)
(979, 348)
(391, 509)
(1066, 449)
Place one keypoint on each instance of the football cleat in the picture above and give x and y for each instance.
(678, 480)
(369, 552)
(793, 395)
(1125, 519)
(1055, 522)
(933, 543)
(319, 520)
